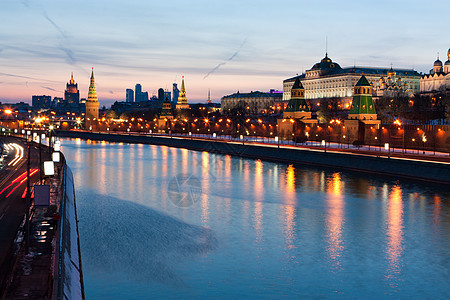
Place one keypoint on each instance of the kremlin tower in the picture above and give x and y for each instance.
(182, 99)
(297, 115)
(362, 112)
(91, 103)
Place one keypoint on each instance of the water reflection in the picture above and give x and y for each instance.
(394, 234)
(275, 223)
(259, 181)
(290, 195)
(335, 219)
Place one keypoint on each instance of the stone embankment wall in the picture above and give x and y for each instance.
(394, 166)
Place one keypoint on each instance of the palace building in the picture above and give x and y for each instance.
(255, 101)
(327, 79)
(439, 78)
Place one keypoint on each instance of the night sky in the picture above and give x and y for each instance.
(224, 46)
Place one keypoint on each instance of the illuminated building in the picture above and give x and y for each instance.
(166, 115)
(41, 101)
(71, 94)
(393, 86)
(327, 79)
(182, 102)
(254, 102)
(439, 78)
(91, 103)
(208, 101)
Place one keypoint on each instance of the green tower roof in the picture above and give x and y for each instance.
(363, 81)
(362, 103)
(298, 85)
(297, 104)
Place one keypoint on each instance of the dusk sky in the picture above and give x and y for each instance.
(224, 46)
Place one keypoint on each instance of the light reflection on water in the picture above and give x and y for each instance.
(281, 230)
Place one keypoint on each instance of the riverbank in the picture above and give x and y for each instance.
(419, 169)
(47, 265)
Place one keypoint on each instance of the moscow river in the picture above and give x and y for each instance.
(159, 222)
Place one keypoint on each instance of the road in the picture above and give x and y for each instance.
(13, 183)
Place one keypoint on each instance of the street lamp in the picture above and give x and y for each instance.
(424, 140)
(398, 123)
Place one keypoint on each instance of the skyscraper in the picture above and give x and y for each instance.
(91, 103)
(182, 102)
(161, 95)
(72, 94)
(129, 95)
(138, 93)
(175, 94)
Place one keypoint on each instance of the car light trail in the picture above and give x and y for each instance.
(21, 179)
(32, 172)
(19, 154)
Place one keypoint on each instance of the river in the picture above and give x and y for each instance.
(159, 222)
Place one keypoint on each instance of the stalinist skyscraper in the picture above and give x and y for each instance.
(91, 103)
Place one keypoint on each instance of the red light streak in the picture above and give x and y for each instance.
(34, 171)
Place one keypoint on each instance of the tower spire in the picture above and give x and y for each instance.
(326, 45)
(182, 102)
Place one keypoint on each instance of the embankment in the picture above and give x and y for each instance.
(394, 166)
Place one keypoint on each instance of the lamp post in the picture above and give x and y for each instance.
(28, 195)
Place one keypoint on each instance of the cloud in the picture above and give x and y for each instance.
(59, 29)
(70, 57)
(27, 77)
(49, 88)
(228, 60)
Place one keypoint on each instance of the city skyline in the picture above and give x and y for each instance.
(225, 47)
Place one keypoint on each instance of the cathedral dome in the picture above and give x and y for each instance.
(447, 63)
(437, 63)
(326, 64)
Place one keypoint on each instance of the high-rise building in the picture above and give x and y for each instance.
(144, 96)
(175, 94)
(72, 94)
(129, 95)
(168, 95)
(161, 95)
(138, 93)
(41, 101)
(182, 102)
(91, 103)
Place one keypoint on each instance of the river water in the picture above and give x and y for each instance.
(159, 222)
